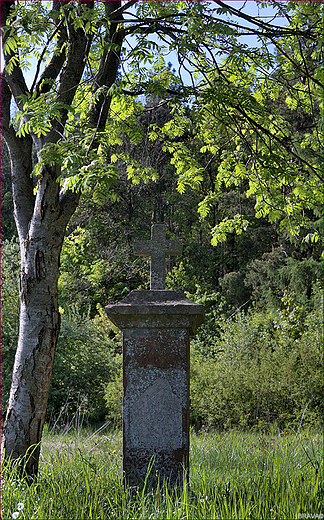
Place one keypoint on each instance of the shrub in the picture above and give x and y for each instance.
(85, 362)
(114, 397)
(10, 266)
(261, 375)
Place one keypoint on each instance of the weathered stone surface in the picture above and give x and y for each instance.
(157, 248)
(156, 309)
(159, 348)
(161, 409)
(156, 327)
(155, 404)
(172, 466)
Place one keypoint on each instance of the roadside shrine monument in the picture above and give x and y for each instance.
(156, 326)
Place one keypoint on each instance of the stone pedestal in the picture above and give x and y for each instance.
(156, 327)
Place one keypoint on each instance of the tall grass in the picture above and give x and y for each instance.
(232, 476)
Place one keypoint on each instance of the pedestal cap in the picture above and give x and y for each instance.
(156, 309)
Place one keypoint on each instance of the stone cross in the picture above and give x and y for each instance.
(157, 248)
(156, 326)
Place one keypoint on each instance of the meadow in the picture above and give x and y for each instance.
(233, 475)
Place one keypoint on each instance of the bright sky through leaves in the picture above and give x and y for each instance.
(250, 7)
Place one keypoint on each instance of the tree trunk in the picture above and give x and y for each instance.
(39, 328)
(39, 325)
(41, 219)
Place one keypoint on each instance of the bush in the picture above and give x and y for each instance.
(114, 397)
(10, 266)
(261, 376)
(86, 359)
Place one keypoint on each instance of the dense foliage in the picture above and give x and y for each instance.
(252, 369)
(264, 370)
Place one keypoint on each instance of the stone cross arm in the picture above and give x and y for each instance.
(157, 248)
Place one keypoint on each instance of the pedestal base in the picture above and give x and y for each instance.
(156, 326)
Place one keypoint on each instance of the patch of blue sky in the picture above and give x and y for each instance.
(265, 12)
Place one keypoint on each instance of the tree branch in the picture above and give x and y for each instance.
(113, 14)
(68, 201)
(266, 27)
(53, 68)
(16, 81)
(107, 70)
(20, 151)
(278, 139)
(296, 65)
(73, 69)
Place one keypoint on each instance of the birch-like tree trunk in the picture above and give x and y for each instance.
(39, 324)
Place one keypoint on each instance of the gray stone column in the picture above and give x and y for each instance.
(156, 327)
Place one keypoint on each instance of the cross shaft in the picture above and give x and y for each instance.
(157, 248)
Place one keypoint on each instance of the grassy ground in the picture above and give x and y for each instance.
(232, 475)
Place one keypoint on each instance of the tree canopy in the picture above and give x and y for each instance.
(255, 109)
